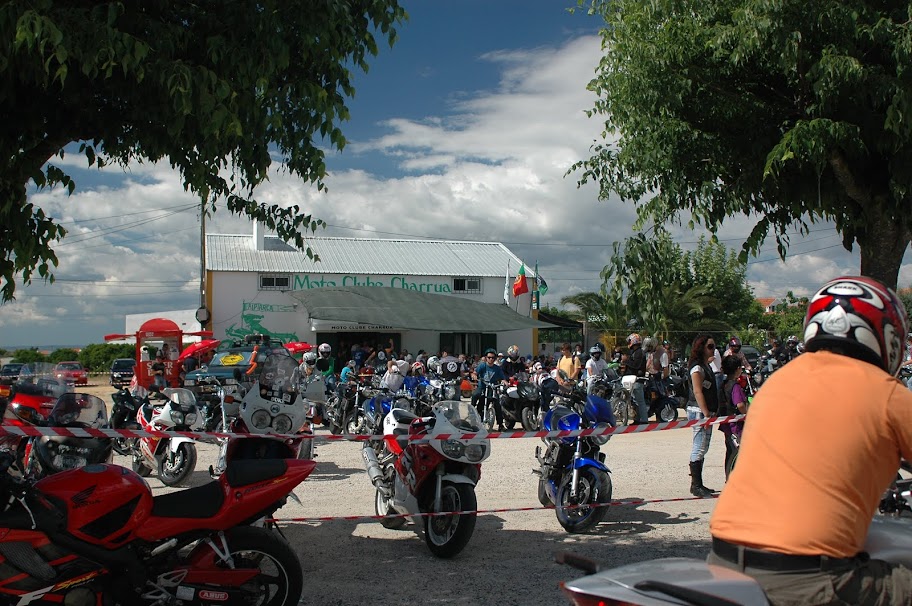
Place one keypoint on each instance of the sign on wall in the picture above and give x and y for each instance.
(305, 281)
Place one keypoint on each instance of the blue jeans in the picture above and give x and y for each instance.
(636, 392)
(701, 435)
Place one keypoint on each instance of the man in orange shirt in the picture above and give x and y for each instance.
(796, 509)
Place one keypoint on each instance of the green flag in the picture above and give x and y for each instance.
(540, 282)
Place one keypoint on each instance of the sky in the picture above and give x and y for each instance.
(464, 130)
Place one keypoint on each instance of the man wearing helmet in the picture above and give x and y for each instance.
(595, 366)
(636, 365)
(796, 510)
(326, 364)
(511, 365)
(487, 373)
(734, 349)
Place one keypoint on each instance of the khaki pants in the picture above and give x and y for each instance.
(862, 582)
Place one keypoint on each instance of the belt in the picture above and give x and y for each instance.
(770, 560)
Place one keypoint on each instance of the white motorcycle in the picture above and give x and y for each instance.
(174, 409)
(273, 405)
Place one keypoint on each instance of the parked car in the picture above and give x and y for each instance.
(71, 371)
(229, 366)
(122, 371)
(752, 354)
(9, 373)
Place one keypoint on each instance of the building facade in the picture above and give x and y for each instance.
(250, 281)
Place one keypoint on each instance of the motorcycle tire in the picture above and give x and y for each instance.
(383, 508)
(141, 469)
(543, 492)
(667, 413)
(281, 578)
(529, 421)
(306, 453)
(594, 487)
(621, 409)
(489, 417)
(731, 465)
(356, 424)
(184, 464)
(446, 536)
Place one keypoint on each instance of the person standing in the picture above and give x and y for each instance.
(569, 364)
(798, 505)
(702, 403)
(636, 365)
(158, 371)
(657, 365)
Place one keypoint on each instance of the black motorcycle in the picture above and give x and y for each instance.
(123, 416)
(521, 403)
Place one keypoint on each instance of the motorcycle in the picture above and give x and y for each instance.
(52, 454)
(689, 581)
(660, 405)
(96, 535)
(444, 480)
(572, 472)
(123, 416)
(273, 405)
(521, 403)
(492, 393)
(171, 409)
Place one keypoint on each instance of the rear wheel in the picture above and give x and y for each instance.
(280, 581)
(383, 508)
(141, 469)
(621, 409)
(447, 535)
(529, 422)
(730, 465)
(594, 487)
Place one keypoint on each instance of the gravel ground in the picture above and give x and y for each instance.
(510, 558)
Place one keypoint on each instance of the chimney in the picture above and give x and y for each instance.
(259, 236)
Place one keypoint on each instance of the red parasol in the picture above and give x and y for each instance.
(297, 347)
(198, 348)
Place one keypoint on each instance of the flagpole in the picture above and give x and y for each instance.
(507, 286)
(536, 304)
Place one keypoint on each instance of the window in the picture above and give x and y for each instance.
(274, 282)
(467, 285)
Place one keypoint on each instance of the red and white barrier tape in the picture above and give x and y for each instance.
(486, 511)
(87, 432)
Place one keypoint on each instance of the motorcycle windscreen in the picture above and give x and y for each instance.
(79, 410)
(279, 374)
(461, 415)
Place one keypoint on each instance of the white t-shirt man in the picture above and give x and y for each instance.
(594, 370)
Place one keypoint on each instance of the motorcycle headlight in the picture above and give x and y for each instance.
(476, 452)
(177, 417)
(449, 392)
(601, 440)
(282, 424)
(190, 418)
(453, 449)
(261, 419)
(189, 382)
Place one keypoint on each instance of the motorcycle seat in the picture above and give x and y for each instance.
(198, 502)
(247, 471)
(403, 417)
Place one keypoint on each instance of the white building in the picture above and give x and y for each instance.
(252, 283)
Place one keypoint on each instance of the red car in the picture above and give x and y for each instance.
(71, 371)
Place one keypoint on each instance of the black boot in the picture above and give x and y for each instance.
(710, 490)
(696, 480)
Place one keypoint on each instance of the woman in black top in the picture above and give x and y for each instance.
(703, 402)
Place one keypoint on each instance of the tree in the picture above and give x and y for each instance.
(787, 318)
(215, 89)
(99, 356)
(786, 112)
(63, 355)
(28, 356)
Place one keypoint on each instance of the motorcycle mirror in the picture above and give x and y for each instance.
(26, 413)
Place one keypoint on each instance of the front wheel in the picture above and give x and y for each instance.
(529, 422)
(356, 423)
(447, 535)
(730, 464)
(593, 488)
(621, 409)
(668, 413)
(140, 468)
(173, 470)
(489, 417)
(280, 581)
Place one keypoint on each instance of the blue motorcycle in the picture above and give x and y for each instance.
(572, 471)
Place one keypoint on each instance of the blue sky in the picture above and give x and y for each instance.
(463, 130)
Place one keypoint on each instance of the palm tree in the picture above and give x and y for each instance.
(603, 313)
(691, 311)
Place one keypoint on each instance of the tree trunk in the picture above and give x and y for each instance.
(883, 249)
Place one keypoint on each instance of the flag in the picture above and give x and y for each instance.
(519, 285)
(507, 285)
(540, 283)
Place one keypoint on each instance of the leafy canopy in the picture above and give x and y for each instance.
(219, 90)
(787, 112)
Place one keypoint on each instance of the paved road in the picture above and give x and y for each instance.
(510, 557)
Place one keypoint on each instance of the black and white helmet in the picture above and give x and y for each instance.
(324, 349)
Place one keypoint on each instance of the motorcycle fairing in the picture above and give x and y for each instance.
(583, 462)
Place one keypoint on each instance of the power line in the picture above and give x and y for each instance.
(108, 232)
(140, 212)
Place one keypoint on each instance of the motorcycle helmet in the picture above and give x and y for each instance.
(742, 381)
(537, 367)
(792, 340)
(513, 352)
(310, 358)
(595, 351)
(860, 315)
(418, 368)
(324, 349)
(633, 339)
(433, 363)
(649, 344)
(734, 344)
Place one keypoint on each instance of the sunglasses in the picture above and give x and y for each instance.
(490, 357)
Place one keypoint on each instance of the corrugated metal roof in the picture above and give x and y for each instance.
(229, 252)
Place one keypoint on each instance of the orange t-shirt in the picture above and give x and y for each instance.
(821, 443)
(569, 365)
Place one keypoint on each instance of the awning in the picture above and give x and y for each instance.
(411, 310)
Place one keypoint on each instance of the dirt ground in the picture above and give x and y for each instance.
(510, 558)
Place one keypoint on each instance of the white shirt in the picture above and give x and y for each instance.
(716, 364)
(594, 369)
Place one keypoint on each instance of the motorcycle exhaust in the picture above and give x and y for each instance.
(372, 465)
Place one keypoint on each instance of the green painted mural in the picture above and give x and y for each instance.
(252, 323)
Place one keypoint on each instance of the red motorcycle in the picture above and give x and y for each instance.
(96, 535)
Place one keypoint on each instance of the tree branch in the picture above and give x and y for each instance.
(844, 175)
